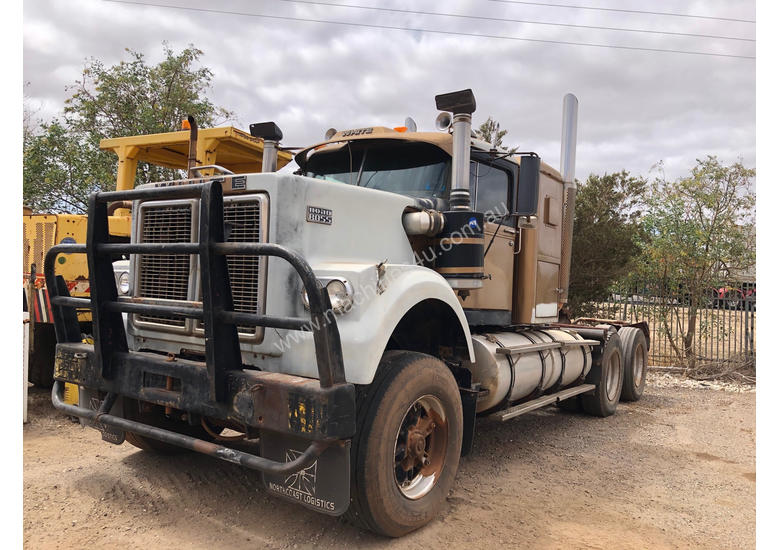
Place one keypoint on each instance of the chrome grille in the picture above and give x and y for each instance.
(242, 223)
(165, 276)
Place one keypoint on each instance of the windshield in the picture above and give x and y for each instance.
(408, 168)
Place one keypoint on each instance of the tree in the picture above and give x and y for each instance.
(607, 236)
(63, 163)
(699, 228)
(28, 117)
(61, 168)
(491, 131)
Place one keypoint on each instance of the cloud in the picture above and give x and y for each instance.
(636, 108)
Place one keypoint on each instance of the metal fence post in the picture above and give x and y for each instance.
(749, 321)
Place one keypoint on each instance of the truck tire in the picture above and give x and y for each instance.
(156, 417)
(633, 346)
(414, 403)
(607, 374)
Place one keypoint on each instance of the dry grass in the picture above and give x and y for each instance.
(740, 369)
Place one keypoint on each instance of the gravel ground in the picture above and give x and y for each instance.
(675, 470)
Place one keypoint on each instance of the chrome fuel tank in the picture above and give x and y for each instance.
(511, 366)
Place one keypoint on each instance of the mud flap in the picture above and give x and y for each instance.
(91, 399)
(323, 486)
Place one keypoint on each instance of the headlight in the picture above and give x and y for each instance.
(124, 283)
(340, 293)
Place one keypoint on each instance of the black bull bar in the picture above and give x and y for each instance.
(322, 411)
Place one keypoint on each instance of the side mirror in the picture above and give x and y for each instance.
(528, 186)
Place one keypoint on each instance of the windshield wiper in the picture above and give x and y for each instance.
(362, 163)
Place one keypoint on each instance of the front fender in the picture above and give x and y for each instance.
(379, 305)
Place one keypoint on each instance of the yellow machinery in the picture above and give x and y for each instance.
(225, 146)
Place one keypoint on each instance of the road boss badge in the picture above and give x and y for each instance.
(319, 215)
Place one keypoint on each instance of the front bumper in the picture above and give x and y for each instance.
(319, 413)
(277, 402)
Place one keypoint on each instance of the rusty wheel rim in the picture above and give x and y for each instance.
(420, 447)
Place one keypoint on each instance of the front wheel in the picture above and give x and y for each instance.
(407, 448)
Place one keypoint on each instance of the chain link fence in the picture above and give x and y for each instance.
(725, 322)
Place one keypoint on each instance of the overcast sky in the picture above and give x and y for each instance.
(636, 107)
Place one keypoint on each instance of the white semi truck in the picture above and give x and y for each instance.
(350, 320)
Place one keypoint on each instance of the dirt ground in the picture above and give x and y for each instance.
(675, 470)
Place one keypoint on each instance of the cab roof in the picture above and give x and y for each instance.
(443, 140)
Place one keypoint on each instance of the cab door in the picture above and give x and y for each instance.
(492, 187)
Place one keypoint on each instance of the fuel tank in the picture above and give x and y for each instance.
(514, 365)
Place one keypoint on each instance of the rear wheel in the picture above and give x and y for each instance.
(634, 348)
(607, 375)
(407, 448)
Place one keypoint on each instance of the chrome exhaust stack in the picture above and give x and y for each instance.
(462, 249)
(461, 104)
(192, 153)
(568, 157)
(569, 138)
(271, 135)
